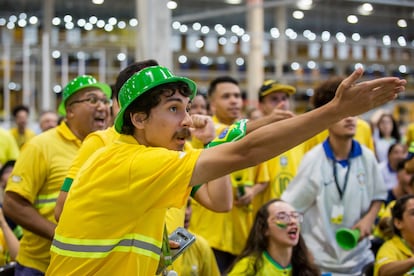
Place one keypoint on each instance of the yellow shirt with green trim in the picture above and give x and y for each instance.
(225, 231)
(21, 139)
(37, 176)
(8, 147)
(391, 251)
(244, 267)
(113, 219)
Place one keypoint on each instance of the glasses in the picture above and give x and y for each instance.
(94, 101)
(286, 217)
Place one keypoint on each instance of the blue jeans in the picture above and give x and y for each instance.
(26, 271)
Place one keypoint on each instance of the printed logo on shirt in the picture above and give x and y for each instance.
(16, 179)
(283, 161)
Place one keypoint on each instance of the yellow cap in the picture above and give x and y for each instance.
(271, 86)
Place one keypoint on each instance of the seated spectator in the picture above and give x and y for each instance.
(395, 256)
(386, 134)
(388, 168)
(274, 245)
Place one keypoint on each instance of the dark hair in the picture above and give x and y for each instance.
(395, 133)
(401, 165)
(127, 72)
(257, 243)
(325, 92)
(6, 165)
(151, 99)
(398, 210)
(19, 108)
(213, 83)
(391, 148)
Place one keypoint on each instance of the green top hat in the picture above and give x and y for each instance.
(143, 81)
(78, 83)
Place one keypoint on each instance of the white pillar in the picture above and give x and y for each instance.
(7, 37)
(280, 47)
(255, 62)
(47, 99)
(153, 32)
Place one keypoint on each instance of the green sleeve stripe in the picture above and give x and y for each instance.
(66, 184)
(195, 189)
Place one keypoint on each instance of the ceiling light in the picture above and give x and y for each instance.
(97, 2)
(365, 9)
(172, 5)
(352, 19)
(298, 14)
(304, 4)
(233, 2)
(402, 23)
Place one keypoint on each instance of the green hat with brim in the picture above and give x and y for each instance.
(143, 81)
(79, 83)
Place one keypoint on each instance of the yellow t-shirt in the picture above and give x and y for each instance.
(282, 169)
(199, 259)
(24, 138)
(8, 147)
(363, 135)
(225, 231)
(244, 267)
(113, 219)
(4, 252)
(409, 134)
(90, 144)
(391, 251)
(37, 176)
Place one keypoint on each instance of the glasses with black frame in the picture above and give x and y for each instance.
(286, 217)
(94, 100)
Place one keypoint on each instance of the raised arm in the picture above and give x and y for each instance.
(268, 141)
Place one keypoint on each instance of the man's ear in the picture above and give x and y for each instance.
(138, 119)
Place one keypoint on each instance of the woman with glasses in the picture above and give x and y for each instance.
(274, 245)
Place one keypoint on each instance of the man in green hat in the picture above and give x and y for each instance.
(113, 221)
(34, 184)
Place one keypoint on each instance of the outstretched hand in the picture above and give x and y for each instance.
(356, 98)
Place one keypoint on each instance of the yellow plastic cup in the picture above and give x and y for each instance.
(347, 238)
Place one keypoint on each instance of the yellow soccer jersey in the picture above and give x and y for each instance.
(199, 259)
(37, 176)
(8, 147)
(363, 135)
(282, 169)
(91, 143)
(22, 139)
(261, 176)
(113, 221)
(245, 267)
(4, 253)
(225, 231)
(409, 134)
(391, 251)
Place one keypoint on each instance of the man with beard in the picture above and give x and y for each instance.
(338, 185)
(113, 220)
(35, 181)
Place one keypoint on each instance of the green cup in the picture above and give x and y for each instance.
(346, 238)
